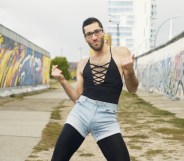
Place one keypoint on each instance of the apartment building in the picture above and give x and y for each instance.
(131, 24)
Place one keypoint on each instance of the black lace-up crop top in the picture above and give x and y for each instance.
(102, 83)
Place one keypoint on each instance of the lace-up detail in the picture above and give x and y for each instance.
(99, 72)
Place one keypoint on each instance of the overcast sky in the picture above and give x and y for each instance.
(165, 10)
(55, 25)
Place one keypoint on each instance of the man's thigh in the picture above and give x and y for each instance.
(68, 142)
(114, 148)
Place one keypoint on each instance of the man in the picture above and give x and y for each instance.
(99, 85)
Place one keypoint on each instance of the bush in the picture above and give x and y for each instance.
(62, 65)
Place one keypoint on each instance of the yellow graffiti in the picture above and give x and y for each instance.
(10, 66)
(12, 75)
(17, 67)
(46, 68)
(1, 39)
(6, 56)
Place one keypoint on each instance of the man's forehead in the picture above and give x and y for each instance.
(91, 27)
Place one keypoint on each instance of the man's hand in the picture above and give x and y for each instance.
(128, 64)
(57, 73)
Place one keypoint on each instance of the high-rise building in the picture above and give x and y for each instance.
(131, 23)
(118, 30)
(144, 29)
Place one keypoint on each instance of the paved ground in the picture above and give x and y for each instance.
(22, 120)
(164, 103)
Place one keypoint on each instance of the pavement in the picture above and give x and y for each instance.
(162, 102)
(22, 120)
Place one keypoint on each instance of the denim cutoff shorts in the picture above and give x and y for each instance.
(95, 117)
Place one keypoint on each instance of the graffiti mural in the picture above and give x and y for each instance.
(165, 76)
(21, 65)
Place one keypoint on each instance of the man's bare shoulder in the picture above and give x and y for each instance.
(82, 63)
(120, 51)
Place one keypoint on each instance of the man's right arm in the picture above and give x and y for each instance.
(73, 93)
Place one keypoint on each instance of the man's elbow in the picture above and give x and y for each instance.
(134, 89)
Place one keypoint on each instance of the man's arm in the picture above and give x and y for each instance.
(128, 72)
(73, 93)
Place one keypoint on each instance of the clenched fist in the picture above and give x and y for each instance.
(128, 64)
(57, 73)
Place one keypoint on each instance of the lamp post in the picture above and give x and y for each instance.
(61, 52)
(118, 34)
(170, 32)
(136, 50)
(80, 52)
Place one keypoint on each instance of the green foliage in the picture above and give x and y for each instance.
(62, 65)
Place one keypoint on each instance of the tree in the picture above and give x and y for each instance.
(62, 65)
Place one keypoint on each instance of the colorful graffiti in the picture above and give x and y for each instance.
(165, 76)
(21, 65)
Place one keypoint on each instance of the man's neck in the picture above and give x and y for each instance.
(102, 52)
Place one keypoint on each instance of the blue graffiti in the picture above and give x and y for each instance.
(165, 76)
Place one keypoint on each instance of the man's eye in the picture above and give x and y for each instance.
(89, 34)
(96, 31)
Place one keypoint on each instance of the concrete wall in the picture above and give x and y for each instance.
(22, 63)
(162, 70)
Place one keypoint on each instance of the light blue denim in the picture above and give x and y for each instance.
(95, 117)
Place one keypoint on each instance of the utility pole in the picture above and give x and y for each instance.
(61, 52)
(80, 52)
(118, 34)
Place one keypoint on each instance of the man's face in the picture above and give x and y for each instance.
(94, 36)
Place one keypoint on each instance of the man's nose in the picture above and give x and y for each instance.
(94, 36)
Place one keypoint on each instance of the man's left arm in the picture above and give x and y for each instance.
(128, 71)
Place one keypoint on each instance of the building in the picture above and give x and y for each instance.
(73, 69)
(131, 24)
(144, 29)
(121, 20)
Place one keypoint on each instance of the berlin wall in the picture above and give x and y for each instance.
(162, 70)
(23, 65)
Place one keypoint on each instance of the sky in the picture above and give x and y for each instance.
(165, 10)
(56, 25)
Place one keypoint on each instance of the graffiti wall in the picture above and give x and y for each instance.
(163, 70)
(21, 65)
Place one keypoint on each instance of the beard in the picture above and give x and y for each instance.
(99, 47)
